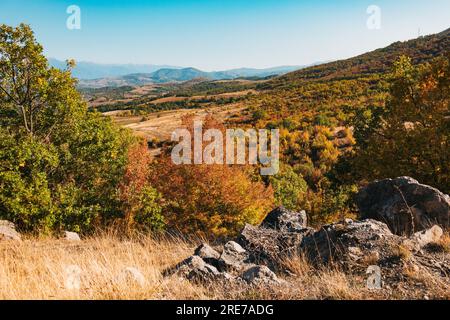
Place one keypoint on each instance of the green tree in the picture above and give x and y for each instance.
(288, 187)
(60, 165)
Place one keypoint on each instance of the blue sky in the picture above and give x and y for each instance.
(216, 35)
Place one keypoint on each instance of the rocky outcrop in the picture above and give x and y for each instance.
(277, 237)
(347, 240)
(233, 257)
(8, 231)
(404, 204)
(285, 220)
(258, 256)
(269, 246)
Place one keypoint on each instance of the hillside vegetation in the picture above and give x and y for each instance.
(64, 166)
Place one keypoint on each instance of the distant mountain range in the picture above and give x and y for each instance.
(95, 75)
(90, 70)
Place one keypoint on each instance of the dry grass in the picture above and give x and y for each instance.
(160, 125)
(443, 245)
(402, 252)
(40, 269)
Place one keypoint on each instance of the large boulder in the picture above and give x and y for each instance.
(285, 220)
(347, 240)
(404, 204)
(8, 231)
(269, 246)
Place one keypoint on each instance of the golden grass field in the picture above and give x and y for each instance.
(40, 269)
(160, 125)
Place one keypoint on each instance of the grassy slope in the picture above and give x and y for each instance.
(39, 269)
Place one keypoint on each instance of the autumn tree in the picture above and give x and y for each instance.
(412, 135)
(139, 199)
(211, 200)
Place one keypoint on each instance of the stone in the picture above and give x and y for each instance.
(208, 254)
(233, 257)
(269, 246)
(260, 275)
(428, 236)
(285, 220)
(404, 204)
(195, 269)
(71, 236)
(8, 231)
(339, 241)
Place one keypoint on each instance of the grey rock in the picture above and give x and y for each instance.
(428, 236)
(194, 268)
(422, 238)
(260, 275)
(404, 204)
(341, 241)
(208, 254)
(8, 231)
(270, 247)
(285, 220)
(233, 257)
(71, 236)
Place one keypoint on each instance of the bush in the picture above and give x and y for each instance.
(288, 187)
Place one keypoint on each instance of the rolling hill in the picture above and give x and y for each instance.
(380, 61)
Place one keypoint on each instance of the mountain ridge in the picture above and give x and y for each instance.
(165, 75)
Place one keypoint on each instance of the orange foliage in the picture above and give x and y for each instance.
(134, 179)
(210, 200)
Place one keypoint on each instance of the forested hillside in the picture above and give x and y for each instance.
(65, 166)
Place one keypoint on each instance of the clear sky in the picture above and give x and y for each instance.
(216, 35)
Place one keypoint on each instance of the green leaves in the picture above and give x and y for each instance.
(288, 187)
(60, 165)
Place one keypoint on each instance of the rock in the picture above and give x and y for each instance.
(132, 275)
(428, 236)
(341, 241)
(208, 254)
(194, 268)
(233, 257)
(269, 246)
(285, 220)
(404, 204)
(8, 231)
(71, 236)
(260, 275)
(422, 238)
